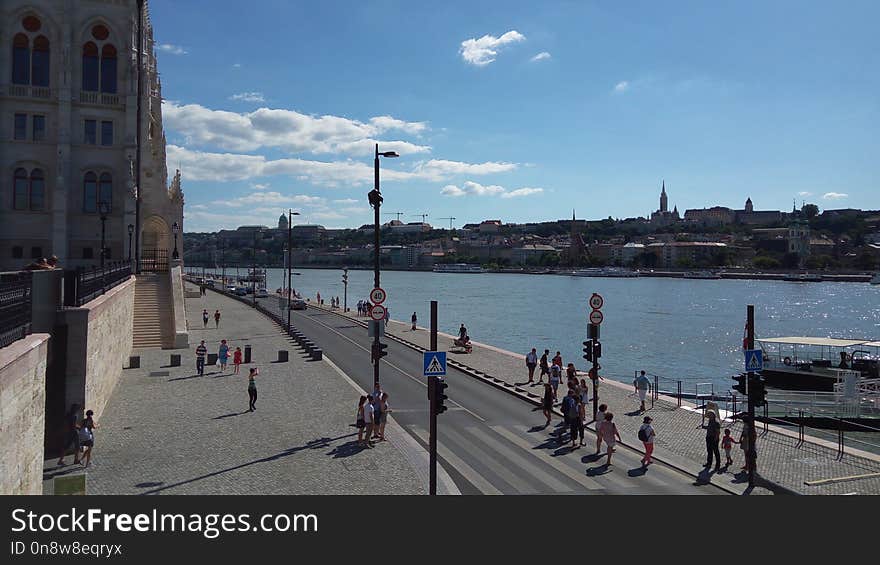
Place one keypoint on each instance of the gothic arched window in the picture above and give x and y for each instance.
(90, 192)
(40, 62)
(20, 190)
(21, 59)
(105, 189)
(90, 67)
(108, 69)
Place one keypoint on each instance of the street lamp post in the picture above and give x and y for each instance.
(175, 228)
(103, 210)
(254, 269)
(130, 233)
(290, 215)
(375, 199)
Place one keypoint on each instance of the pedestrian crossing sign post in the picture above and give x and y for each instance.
(435, 363)
(754, 360)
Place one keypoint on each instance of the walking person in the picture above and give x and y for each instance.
(557, 360)
(582, 419)
(87, 437)
(414, 320)
(383, 415)
(71, 435)
(744, 446)
(360, 422)
(713, 435)
(204, 319)
(217, 318)
(201, 351)
(572, 416)
(554, 381)
(545, 368)
(642, 384)
(547, 402)
(236, 359)
(608, 430)
(531, 363)
(646, 435)
(223, 354)
(600, 417)
(387, 315)
(727, 444)
(368, 419)
(585, 392)
(252, 388)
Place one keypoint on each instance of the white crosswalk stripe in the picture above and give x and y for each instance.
(463, 468)
(566, 470)
(523, 463)
(493, 463)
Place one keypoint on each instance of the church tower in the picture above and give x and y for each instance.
(749, 207)
(664, 204)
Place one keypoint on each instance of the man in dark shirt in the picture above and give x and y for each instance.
(201, 351)
(713, 436)
(71, 434)
(545, 368)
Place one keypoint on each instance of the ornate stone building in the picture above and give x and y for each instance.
(663, 217)
(68, 135)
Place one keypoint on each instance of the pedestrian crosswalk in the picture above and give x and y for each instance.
(510, 459)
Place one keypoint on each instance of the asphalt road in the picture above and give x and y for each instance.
(489, 442)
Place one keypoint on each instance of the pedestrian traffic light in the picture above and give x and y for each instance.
(588, 350)
(439, 386)
(757, 391)
(741, 386)
(597, 350)
(379, 350)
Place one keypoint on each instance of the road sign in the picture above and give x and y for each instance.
(754, 360)
(377, 296)
(377, 312)
(596, 301)
(596, 317)
(435, 363)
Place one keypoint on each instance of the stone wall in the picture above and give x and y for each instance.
(22, 414)
(99, 342)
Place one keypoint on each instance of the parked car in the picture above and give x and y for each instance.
(241, 291)
(298, 304)
(262, 293)
(230, 288)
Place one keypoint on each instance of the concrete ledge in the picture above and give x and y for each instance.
(181, 336)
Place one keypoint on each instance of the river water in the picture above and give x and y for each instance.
(676, 328)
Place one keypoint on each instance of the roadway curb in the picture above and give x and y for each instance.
(534, 399)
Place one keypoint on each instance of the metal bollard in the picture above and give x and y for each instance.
(175, 360)
(134, 362)
(282, 356)
(212, 359)
(247, 353)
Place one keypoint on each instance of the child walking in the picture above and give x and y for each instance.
(236, 359)
(727, 444)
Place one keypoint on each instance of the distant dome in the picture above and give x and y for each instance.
(282, 222)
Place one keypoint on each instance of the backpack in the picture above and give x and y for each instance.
(572, 409)
(643, 434)
(84, 434)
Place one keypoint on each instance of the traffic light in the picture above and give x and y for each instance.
(381, 349)
(757, 391)
(741, 386)
(597, 351)
(439, 386)
(588, 350)
(345, 276)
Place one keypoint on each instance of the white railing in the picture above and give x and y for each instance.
(27, 91)
(87, 97)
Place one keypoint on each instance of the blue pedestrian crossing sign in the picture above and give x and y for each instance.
(754, 360)
(435, 363)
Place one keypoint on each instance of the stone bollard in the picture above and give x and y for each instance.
(134, 362)
(317, 354)
(282, 356)
(175, 360)
(212, 359)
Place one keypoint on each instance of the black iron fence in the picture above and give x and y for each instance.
(15, 306)
(154, 260)
(84, 285)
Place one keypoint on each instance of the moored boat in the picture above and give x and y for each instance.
(802, 277)
(701, 275)
(817, 363)
(458, 268)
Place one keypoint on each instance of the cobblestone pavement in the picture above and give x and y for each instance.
(166, 431)
(782, 459)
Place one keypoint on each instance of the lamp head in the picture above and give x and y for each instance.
(103, 207)
(389, 154)
(130, 229)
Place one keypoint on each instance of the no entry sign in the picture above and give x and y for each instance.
(377, 312)
(596, 317)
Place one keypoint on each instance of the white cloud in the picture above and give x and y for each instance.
(286, 129)
(621, 87)
(172, 49)
(346, 201)
(540, 57)
(482, 51)
(258, 186)
(248, 97)
(230, 167)
(522, 192)
(805, 194)
(266, 198)
(835, 195)
(471, 188)
(236, 66)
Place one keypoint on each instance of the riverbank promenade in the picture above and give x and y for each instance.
(167, 430)
(786, 464)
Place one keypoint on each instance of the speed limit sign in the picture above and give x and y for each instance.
(377, 296)
(596, 301)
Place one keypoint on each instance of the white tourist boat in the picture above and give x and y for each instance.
(605, 272)
(802, 277)
(458, 268)
(817, 363)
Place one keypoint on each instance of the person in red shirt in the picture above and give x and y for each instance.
(558, 360)
(236, 359)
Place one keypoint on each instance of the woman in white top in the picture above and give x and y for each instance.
(608, 431)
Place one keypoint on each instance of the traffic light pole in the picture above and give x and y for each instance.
(432, 384)
(751, 452)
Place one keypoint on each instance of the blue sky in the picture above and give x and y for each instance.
(517, 110)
